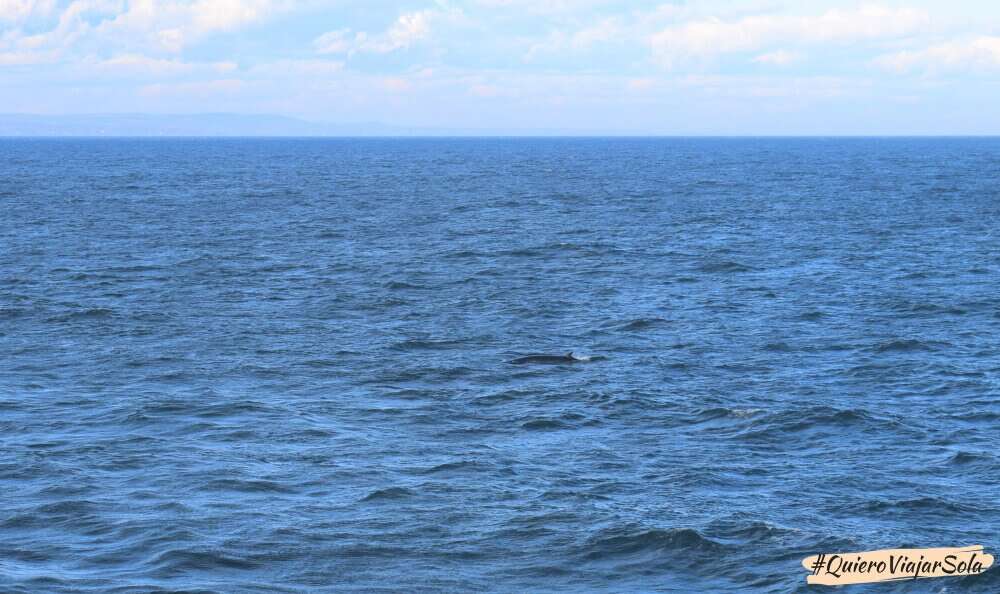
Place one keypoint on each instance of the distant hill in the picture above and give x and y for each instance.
(229, 124)
(182, 125)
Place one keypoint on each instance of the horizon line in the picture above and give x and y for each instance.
(605, 135)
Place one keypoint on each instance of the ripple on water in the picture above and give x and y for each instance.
(281, 365)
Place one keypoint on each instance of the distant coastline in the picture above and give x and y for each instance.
(230, 125)
(235, 125)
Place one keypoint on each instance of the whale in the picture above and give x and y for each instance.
(552, 359)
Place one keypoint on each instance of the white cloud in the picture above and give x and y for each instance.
(20, 58)
(137, 64)
(396, 84)
(154, 25)
(640, 84)
(978, 52)
(815, 87)
(175, 24)
(603, 31)
(778, 58)
(298, 68)
(546, 7)
(196, 89)
(408, 29)
(486, 91)
(334, 42)
(13, 11)
(711, 37)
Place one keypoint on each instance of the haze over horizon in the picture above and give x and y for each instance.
(515, 66)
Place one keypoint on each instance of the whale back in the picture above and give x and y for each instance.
(550, 359)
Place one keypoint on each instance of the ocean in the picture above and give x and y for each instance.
(283, 365)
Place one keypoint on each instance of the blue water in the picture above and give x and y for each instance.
(283, 365)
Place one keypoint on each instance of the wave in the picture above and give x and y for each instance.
(93, 313)
(428, 345)
(402, 285)
(544, 425)
(453, 466)
(187, 560)
(388, 494)
(903, 346)
(776, 427)
(643, 324)
(709, 414)
(641, 542)
(779, 347)
(724, 266)
(922, 504)
(246, 486)
(9, 313)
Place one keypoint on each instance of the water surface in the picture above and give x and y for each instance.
(282, 365)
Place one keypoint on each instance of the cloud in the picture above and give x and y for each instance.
(298, 68)
(736, 87)
(603, 31)
(977, 53)
(546, 7)
(407, 30)
(137, 64)
(486, 91)
(698, 40)
(778, 58)
(144, 25)
(195, 89)
(13, 11)
(396, 84)
(20, 58)
(334, 42)
(641, 84)
(175, 24)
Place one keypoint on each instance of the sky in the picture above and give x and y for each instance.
(642, 67)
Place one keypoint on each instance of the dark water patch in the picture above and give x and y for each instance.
(246, 486)
(402, 286)
(972, 458)
(644, 324)
(10, 313)
(180, 561)
(94, 313)
(428, 345)
(922, 309)
(723, 267)
(711, 414)
(978, 417)
(734, 533)
(777, 426)
(779, 347)
(232, 409)
(458, 466)
(918, 505)
(388, 494)
(322, 363)
(812, 316)
(544, 425)
(614, 544)
(903, 346)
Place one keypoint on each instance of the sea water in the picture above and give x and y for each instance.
(280, 365)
